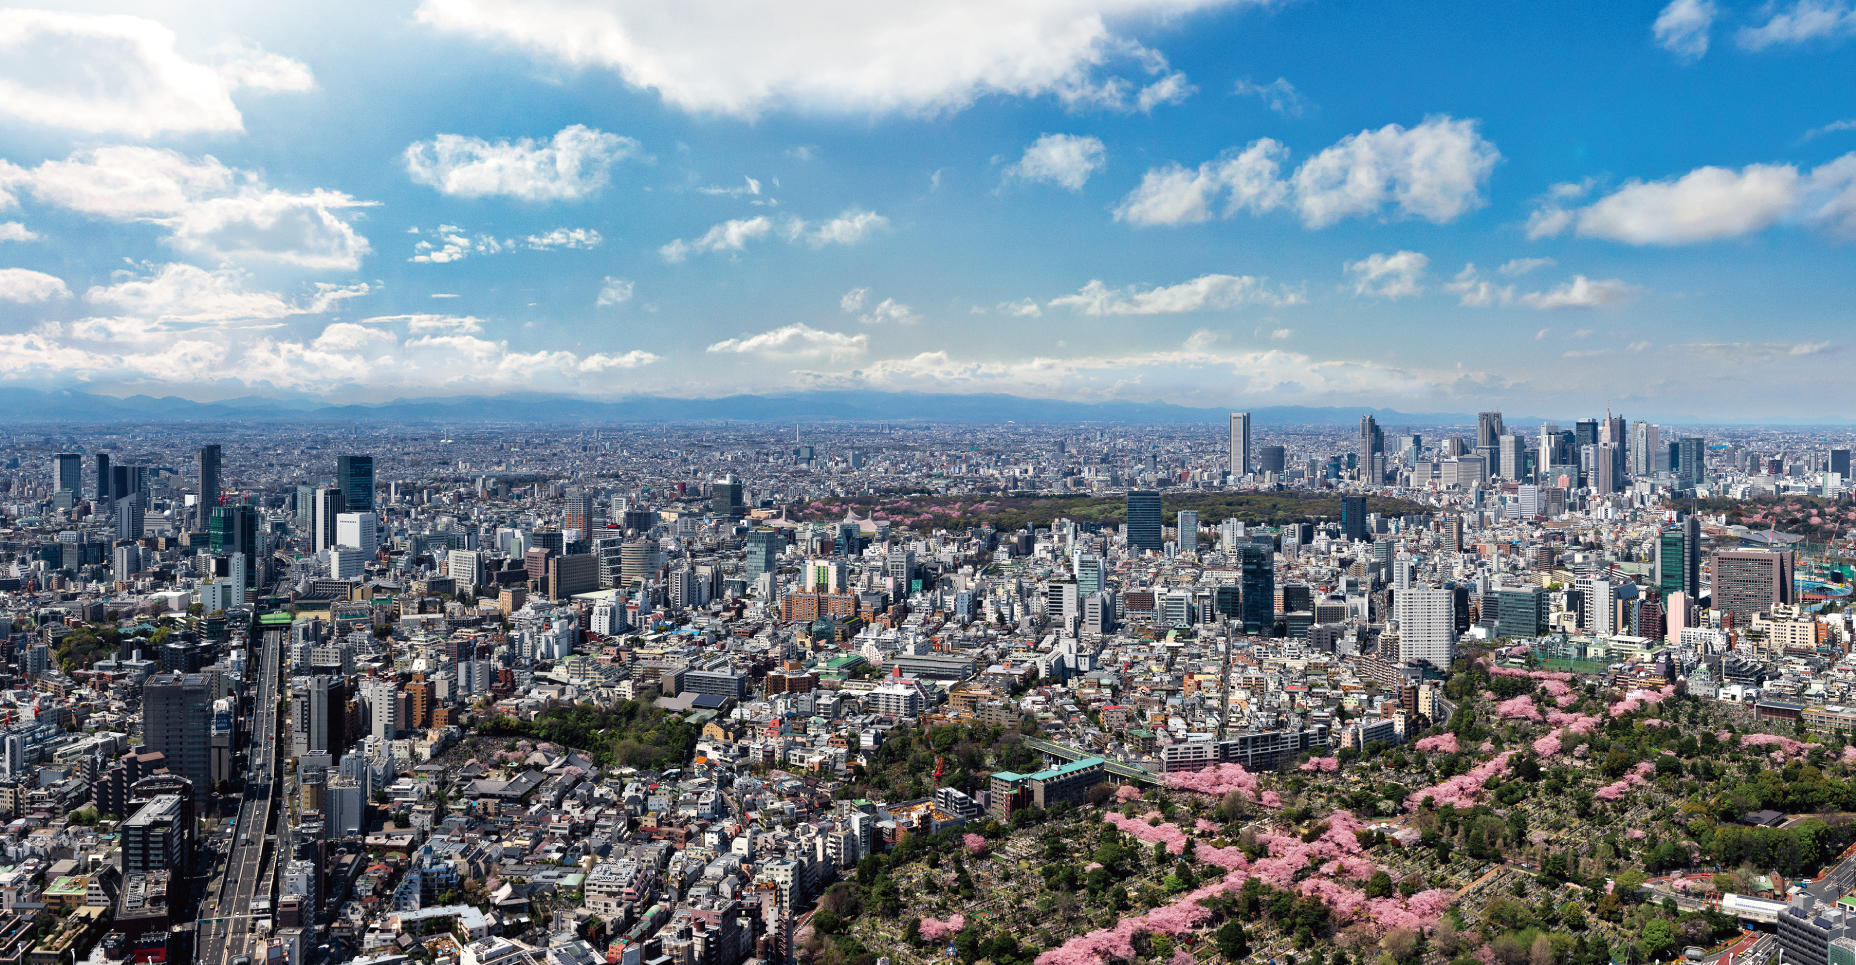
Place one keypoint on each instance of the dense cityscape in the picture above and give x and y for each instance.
(730, 693)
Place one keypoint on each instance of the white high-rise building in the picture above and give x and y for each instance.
(1240, 445)
(1426, 626)
(1188, 531)
(465, 566)
(358, 530)
(1601, 608)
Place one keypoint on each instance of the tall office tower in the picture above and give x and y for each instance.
(1090, 577)
(572, 575)
(764, 547)
(1678, 559)
(159, 835)
(103, 479)
(1604, 466)
(208, 482)
(359, 530)
(1643, 447)
(381, 698)
(129, 518)
(1488, 428)
(1511, 453)
(1601, 608)
(1691, 461)
(1426, 626)
(177, 720)
(1188, 531)
(1585, 433)
(234, 529)
(330, 502)
(1273, 459)
(1240, 445)
(313, 716)
(466, 567)
(1453, 533)
(1839, 462)
(1749, 582)
(725, 497)
(639, 561)
(1372, 450)
(68, 473)
(577, 514)
(1144, 526)
(1257, 586)
(1353, 518)
(354, 476)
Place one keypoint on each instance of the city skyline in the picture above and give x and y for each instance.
(1215, 205)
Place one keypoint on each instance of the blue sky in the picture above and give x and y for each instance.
(1547, 207)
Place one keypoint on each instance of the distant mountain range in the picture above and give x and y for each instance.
(56, 405)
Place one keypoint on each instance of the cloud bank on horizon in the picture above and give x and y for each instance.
(1208, 202)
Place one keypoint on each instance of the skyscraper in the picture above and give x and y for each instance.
(1749, 582)
(1840, 462)
(68, 473)
(1678, 559)
(577, 514)
(764, 547)
(1240, 445)
(1691, 461)
(354, 476)
(1188, 531)
(234, 529)
(1426, 626)
(1643, 446)
(1144, 522)
(1353, 518)
(177, 719)
(1511, 455)
(1273, 459)
(1604, 469)
(1372, 450)
(1257, 586)
(208, 481)
(330, 503)
(103, 479)
(1488, 428)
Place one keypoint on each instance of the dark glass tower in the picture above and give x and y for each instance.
(1144, 526)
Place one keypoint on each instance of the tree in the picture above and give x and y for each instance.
(1657, 939)
(1233, 943)
(1379, 885)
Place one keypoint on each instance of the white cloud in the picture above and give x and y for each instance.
(1473, 291)
(887, 311)
(750, 188)
(1023, 308)
(1434, 171)
(207, 208)
(1066, 160)
(14, 231)
(614, 291)
(1516, 267)
(27, 286)
(716, 56)
(1804, 20)
(1682, 28)
(1583, 292)
(185, 294)
(1199, 294)
(1171, 88)
(1711, 203)
(732, 235)
(1278, 95)
(1390, 276)
(572, 165)
(796, 341)
(581, 238)
(849, 228)
(1834, 127)
(121, 74)
(430, 324)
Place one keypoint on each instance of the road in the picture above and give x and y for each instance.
(228, 926)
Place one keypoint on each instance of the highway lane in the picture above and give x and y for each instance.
(228, 926)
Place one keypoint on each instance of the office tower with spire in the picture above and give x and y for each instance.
(1240, 445)
(1372, 450)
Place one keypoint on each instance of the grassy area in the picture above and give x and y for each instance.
(633, 734)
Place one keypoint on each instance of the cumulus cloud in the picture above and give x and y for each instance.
(1834, 127)
(1801, 22)
(1390, 276)
(888, 311)
(1516, 267)
(1474, 291)
(716, 56)
(14, 231)
(1066, 160)
(185, 294)
(27, 286)
(1434, 171)
(1199, 294)
(796, 341)
(850, 228)
(448, 243)
(1278, 95)
(206, 208)
(614, 291)
(1682, 28)
(1709, 204)
(1023, 308)
(574, 164)
(121, 74)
